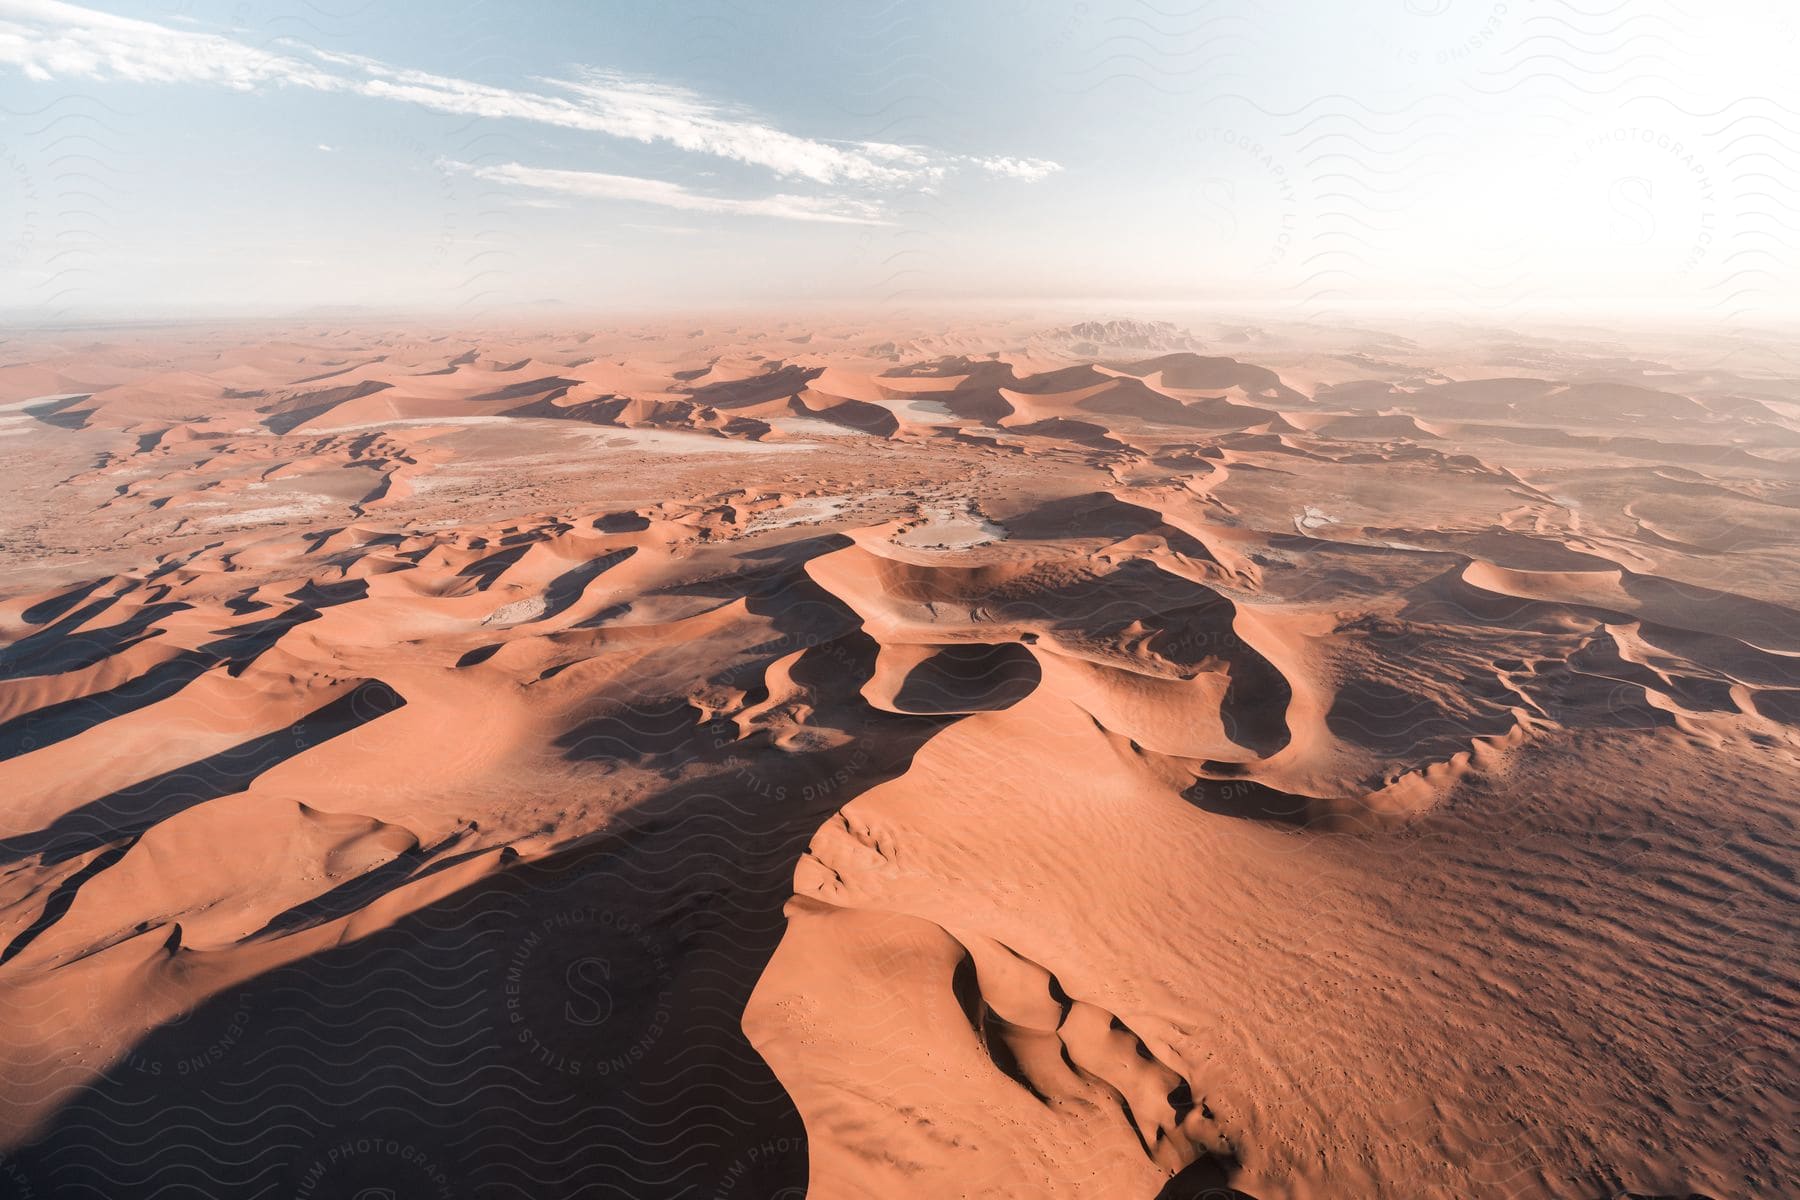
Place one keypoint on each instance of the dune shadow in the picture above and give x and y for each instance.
(568, 1024)
(1250, 800)
(1207, 1178)
(129, 811)
(65, 646)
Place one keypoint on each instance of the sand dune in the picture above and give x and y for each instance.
(1022, 761)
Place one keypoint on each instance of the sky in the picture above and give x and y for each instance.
(1316, 159)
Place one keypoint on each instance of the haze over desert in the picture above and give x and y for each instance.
(1047, 769)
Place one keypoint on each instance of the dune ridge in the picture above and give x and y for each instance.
(1037, 761)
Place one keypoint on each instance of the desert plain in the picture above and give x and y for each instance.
(927, 757)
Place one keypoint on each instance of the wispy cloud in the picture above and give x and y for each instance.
(50, 40)
(594, 185)
(646, 111)
(1029, 169)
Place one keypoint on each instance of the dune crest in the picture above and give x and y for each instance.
(1030, 760)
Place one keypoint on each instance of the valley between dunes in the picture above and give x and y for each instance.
(940, 759)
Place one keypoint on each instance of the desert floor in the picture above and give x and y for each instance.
(971, 758)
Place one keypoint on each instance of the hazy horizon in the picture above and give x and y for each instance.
(1434, 156)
